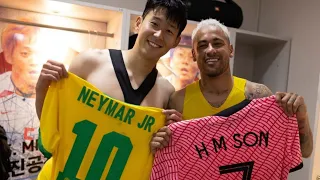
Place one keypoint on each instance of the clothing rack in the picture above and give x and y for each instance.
(58, 28)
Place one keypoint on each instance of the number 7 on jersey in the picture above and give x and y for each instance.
(246, 167)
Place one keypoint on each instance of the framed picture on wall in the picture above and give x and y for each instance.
(178, 66)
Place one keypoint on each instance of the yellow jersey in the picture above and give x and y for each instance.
(93, 136)
(45, 173)
(195, 104)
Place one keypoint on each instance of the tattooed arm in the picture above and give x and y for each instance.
(255, 90)
(291, 104)
(306, 137)
(294, 104)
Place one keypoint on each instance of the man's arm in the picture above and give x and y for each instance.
(176, 100)
(306, 137)
(172, 113)
(294, 104)
(162, 136)
(168, 90)
(41, 95)
(255, 90)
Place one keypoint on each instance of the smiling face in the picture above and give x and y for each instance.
(212, 51)
(157, 35)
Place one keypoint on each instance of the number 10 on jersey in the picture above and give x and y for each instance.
(84, 131)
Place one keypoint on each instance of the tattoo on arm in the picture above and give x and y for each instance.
(306, 142)
(302, 134)
(257, 91)
(303, 138)
(306, 145)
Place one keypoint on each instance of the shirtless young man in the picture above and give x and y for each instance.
(159, 27)
(218, 89)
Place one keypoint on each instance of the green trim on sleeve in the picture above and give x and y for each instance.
(46, 153)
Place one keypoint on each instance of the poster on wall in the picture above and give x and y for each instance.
(23, 51)
(178, 67)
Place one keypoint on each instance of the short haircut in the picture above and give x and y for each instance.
(176, 11)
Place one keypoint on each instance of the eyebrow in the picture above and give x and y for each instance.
(214, 39)
(170, 24)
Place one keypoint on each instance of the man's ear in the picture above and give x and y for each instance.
(138, 23)
(193, 55)
(231, 51)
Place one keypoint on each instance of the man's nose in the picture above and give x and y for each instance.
(211, 50)
(159, 34)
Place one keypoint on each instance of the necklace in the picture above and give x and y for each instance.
(24, 95)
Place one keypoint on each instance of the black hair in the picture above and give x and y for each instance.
(176, 11)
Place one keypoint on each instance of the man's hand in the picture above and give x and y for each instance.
(160, 139)
(51, 71)
(172, 116)
(292, 104)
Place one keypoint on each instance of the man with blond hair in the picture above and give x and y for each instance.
(219, 90)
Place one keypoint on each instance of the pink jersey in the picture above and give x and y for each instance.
(257, 142)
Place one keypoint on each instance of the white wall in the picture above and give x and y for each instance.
(298, 20)
(249, 8)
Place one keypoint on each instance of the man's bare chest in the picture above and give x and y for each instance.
(108, 84)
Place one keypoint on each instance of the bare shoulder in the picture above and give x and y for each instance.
(176, 100)
(255, 90)
(85, 62)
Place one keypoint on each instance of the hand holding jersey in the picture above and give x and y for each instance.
(159, 29)
(81, 127)
(172, 116)
(218, 89)
(161, 138)
(51, 71)
(258, 142)
(292, 104)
